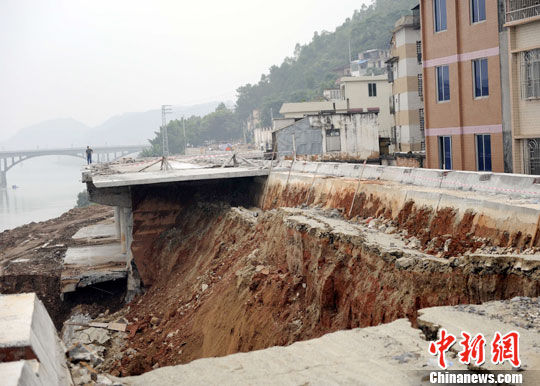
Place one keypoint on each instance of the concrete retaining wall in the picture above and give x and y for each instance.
(438, 208)
(519, 185)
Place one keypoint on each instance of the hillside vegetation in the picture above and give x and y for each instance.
(312, 68)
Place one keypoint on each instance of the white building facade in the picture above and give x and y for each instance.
(405, 77)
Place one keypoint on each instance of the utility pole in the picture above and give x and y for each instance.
(165, 109)
(185, 139)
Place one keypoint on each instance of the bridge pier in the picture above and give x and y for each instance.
(3, 179)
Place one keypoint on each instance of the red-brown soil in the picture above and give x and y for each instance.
(227, 280)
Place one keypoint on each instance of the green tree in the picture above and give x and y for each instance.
(222, 125)
(313, 68)
(83, 200)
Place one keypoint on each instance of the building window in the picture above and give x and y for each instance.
(530, 74)
(478, 10)
(445, 153)
(420, 87)
(390, 72)
(439, 7)
(532, 156)
(421, 119)
(483, 152)
(480, 78)
(419, 51)
(333, 140)
(372, 89)
(443, 83)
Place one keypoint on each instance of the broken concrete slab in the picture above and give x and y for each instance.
(88, 353)
(96, 232)
(74, 277)
(142, 178)
(383, 355)
(93, 335)
(95, 255)
(27, 332)
(84, 266)
(22, 373)
(393, 353)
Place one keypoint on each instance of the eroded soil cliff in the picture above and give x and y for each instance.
(226, 279)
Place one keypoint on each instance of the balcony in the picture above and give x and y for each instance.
(517, 10)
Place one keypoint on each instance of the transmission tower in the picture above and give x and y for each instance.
(165, 109)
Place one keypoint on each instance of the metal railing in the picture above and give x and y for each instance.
(530, 74)
(420, 87)
(521, 9)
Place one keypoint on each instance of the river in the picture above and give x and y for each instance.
(47, 187)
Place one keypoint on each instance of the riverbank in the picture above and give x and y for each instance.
(47, 187)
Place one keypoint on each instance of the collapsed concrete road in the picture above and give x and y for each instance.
(393, 353)
(389, 354)
(220, 261)
(241, 262)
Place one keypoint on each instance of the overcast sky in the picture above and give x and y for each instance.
(90, 59)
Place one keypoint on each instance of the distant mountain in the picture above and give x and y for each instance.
(63, 132)
(125, 129)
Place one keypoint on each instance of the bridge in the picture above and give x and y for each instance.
(9, 159)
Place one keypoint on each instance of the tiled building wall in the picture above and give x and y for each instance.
(407, 100)
(463, 116)
(525, 113)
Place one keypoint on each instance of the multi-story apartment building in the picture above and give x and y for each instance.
(522, 22)
(370, 62)
(462, 84)
(405, 75)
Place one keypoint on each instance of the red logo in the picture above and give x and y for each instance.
(472, 349)
(506, 348)
(441, 346)
(503, 348)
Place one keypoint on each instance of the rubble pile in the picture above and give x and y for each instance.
(93, 344)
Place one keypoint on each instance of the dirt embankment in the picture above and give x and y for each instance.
(31, 256)
(433, 225)
(226, 280)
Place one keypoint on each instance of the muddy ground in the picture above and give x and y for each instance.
(31, 259)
